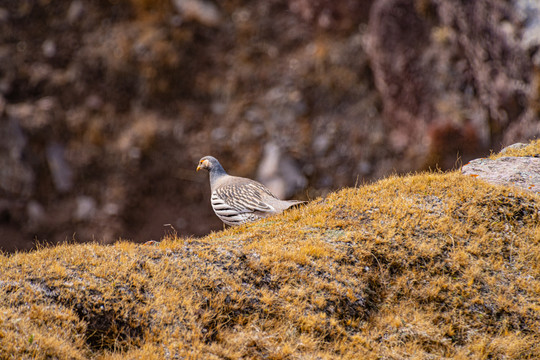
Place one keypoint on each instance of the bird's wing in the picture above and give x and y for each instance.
(243, 197)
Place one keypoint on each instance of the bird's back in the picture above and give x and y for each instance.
(238, 200)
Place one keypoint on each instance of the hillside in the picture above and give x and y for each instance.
(428, 266)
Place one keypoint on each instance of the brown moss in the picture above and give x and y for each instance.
(421, 266)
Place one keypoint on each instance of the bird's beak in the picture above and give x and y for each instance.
(202, 165)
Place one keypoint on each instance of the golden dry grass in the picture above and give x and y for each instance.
(532, 149)
(427, 266)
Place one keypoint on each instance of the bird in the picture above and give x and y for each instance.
(238, 200)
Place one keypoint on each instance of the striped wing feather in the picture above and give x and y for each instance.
(238, 203)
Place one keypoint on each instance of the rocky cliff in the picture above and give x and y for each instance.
(106, 106)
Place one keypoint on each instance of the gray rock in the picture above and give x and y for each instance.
(49, 48)
(85, 209)
(111, 209)
(523, 172)
(515, 146)
(75, 11)
(61, 172)
(279, 172)
(36, 214)
(201, 11)
(321, 144)
(16, 176)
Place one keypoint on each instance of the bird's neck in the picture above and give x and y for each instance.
(215, 175)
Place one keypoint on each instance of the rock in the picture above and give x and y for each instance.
(218, 134)
(16, 177)
(36, 214)
(321, 144)
(529, 11)
(515, 146)
(4, 15)
(94, 102)
(111, 209)
(472, 97)
(61, 172)
(203, 12)
(279, 172)
(49, 48)
(85, 209)
(35, 115)
(75, 11)
(523, 172)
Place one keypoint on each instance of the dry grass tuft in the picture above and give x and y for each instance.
(424, 266)
(532, 149)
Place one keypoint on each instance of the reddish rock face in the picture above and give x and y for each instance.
(453, 77)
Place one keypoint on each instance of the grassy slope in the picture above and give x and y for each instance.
(422, 266)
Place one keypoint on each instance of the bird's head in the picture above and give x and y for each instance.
(208, 163)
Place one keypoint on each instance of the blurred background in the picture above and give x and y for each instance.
(106, 106)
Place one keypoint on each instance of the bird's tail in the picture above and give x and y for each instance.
(291, 203)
